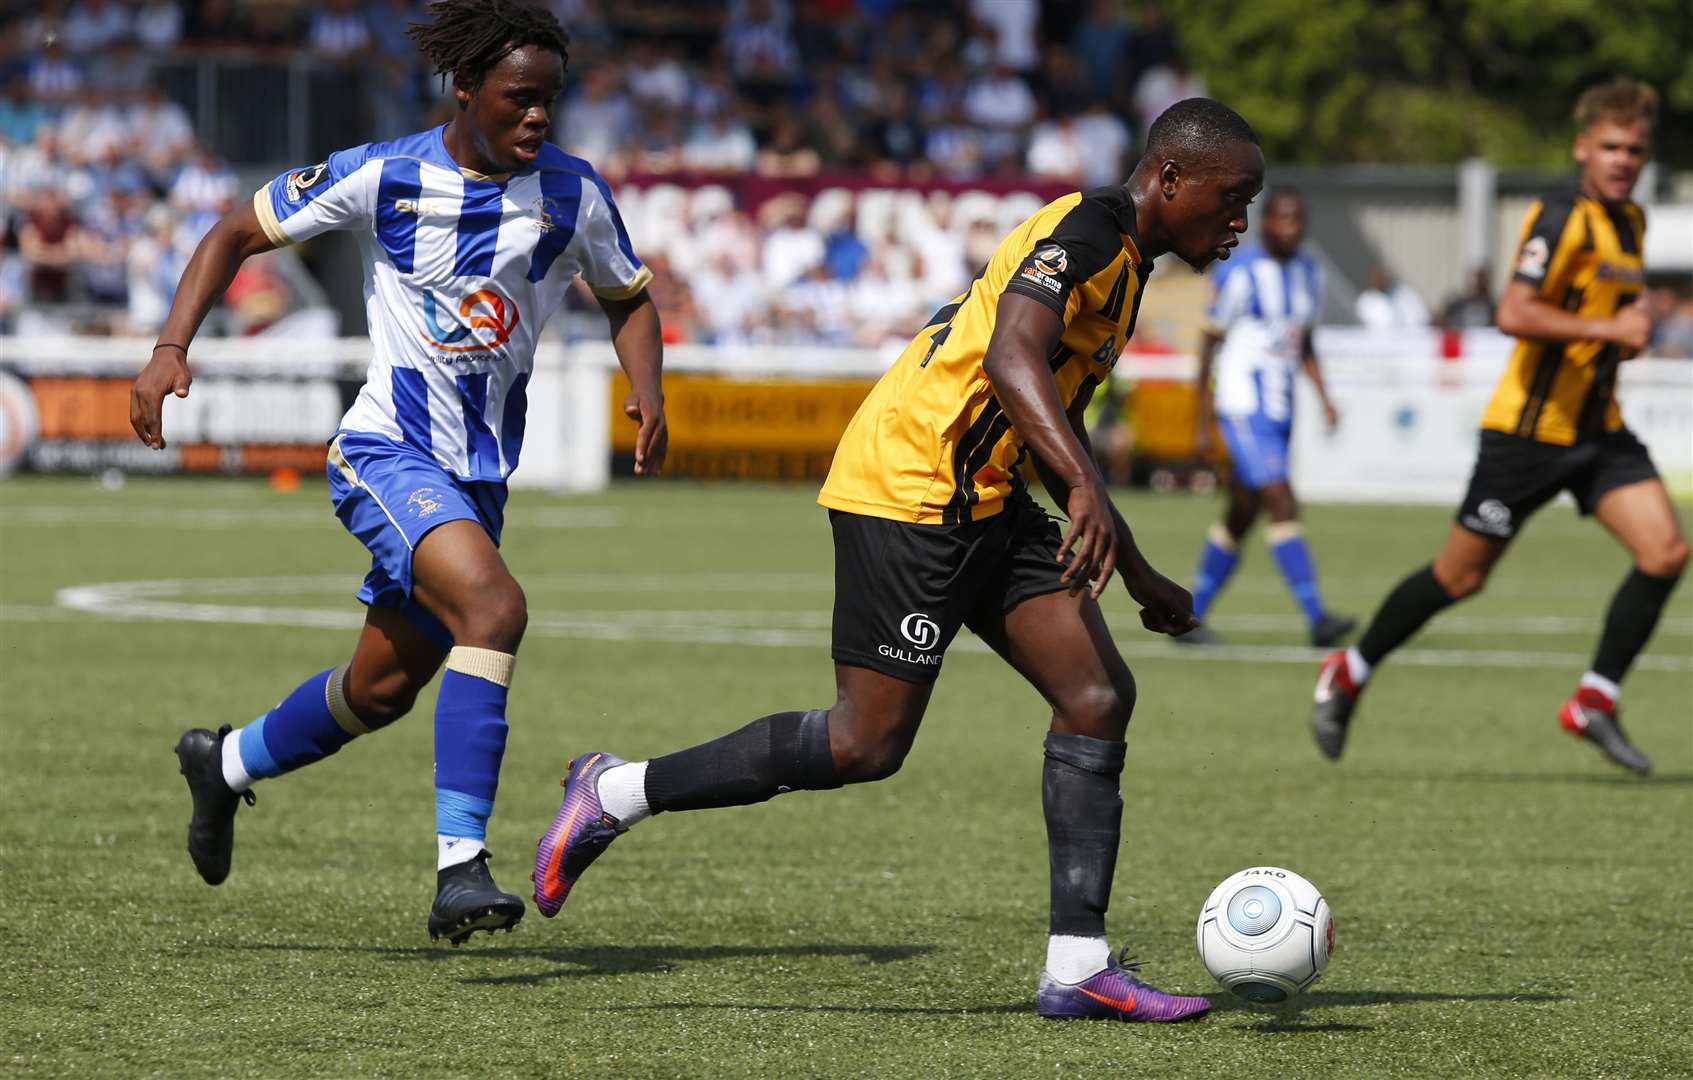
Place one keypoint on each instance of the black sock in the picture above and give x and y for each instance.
(1412, 603)
(782, 752)
(1630, 621)
(1084, 822)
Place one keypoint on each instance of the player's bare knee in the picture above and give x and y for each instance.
(380, 705)
(860, 758)
(381, 701)
(498, 618)
(1101, 710)
(1667, 559)
(1280, 504)
(1461, 582)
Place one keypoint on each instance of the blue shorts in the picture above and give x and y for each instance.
(1258, 448)
(390, 495)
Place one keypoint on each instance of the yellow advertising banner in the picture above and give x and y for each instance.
(769, 429)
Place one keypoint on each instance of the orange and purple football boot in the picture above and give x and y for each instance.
(580, 832)
(1114, 994)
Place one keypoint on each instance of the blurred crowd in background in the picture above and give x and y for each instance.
(106, 183)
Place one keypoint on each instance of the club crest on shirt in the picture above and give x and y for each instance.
(1052, 260)
(545, 211)
(306, 178)
(1532, 262)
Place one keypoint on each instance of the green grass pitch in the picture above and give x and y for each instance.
(1508, 904)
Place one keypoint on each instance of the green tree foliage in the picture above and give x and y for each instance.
(1435, 80)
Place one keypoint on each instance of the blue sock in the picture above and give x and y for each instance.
(1217, 561)
(310, 724)
(1287, 544)
(470, 739)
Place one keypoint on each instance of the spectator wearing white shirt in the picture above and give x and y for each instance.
(790, 248)
(658, 78)
(161, 133)
(1058, 152)
(1002, 107)
(92, 128)
(1016, 30)
(1389, 305)
(1161, 87)
(1106, 140)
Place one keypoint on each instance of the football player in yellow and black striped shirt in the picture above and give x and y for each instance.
(934, 531)
(1574, 305)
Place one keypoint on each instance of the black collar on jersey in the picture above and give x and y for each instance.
(1122, 207)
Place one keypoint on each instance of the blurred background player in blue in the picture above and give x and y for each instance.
(1267, 299)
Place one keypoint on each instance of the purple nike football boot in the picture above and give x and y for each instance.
(1114, 994)
(580, 832)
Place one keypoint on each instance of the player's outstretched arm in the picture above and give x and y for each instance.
(639, 341)
(1025, 332)
(234, 239)
(1524, 313)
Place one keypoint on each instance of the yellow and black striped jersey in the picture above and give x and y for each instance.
(932, 444)
(1584, 257)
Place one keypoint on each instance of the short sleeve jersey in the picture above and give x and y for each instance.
(931, 444)
(461, 272)
(1262, 308)
(1584, 257)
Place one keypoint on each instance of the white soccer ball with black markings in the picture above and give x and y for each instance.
(1266, 934)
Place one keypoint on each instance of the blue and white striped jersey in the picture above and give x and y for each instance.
(1262, 308)
(461, 272)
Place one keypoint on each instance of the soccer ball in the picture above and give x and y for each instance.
(1266, 934)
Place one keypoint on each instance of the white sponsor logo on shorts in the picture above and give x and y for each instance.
(1491, 517)
(923, 633)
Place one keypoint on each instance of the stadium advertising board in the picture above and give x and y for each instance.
(757, 429)
(254, 407)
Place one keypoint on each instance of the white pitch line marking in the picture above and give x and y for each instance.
(155, 601)
(272, 517)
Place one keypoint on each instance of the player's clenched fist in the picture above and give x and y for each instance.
(1165, 607)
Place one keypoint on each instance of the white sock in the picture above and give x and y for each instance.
(452, 850)
(1356, 666)
(235, 773)
(1605, 686)
(623, 793)
(1072, 959)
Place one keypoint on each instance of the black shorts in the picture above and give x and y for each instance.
(1515, 476)
(903, 590)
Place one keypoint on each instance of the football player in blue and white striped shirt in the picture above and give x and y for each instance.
(470, 233)
(1267, 300)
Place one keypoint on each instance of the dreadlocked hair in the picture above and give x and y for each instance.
(464, 39)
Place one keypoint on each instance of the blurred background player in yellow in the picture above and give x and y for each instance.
(1576, 306)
